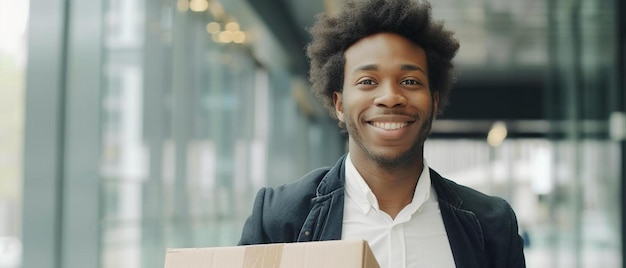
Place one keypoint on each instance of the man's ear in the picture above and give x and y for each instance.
(338, 103)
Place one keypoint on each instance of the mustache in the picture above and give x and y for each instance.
(396, 111)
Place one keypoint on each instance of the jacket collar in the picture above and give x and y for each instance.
(333, 180)
(444, 190)
(326, 216)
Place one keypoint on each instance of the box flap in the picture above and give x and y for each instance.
(339, 253)
(262, 256)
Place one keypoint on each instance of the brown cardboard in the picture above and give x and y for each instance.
(340, 253)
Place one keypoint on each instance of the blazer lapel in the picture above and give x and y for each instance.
(464, 235)
(325, 220)
(463, 228)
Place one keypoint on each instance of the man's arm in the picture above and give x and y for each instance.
(253, 231)
(516, 249)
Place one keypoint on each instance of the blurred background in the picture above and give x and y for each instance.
(132, 126)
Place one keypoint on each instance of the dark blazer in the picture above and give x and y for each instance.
(482, 229)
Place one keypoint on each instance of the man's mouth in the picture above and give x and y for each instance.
(389, 125)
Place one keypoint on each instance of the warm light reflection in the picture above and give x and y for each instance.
(231, 32)
(217, 10)
(497, 134)
(213, 27)
(226, 36)
(232, 26)
(239, 37)
(199, 5)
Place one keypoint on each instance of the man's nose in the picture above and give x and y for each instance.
(390, 96)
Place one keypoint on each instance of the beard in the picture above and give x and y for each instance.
(402, 159)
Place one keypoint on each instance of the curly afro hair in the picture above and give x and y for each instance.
(333, 34)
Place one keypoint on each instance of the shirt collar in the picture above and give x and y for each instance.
(358, 190)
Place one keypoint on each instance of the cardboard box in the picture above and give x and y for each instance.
(340, 253)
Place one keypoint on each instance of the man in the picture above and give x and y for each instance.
(384, 68)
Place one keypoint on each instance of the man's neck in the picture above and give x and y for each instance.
(393, 187)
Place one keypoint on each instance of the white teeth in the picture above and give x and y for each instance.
(390, 125)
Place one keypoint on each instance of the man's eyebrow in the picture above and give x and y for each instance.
(403, 67)
(411, 67)
(369, 67)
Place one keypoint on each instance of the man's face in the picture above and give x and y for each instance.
(386, 103)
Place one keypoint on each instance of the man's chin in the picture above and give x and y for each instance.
(395, 159)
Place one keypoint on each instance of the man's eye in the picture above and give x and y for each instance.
(410, 82)
(367, 82)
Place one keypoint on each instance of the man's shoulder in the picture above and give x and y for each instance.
(302, 189)
(482, 205)
(279, 212)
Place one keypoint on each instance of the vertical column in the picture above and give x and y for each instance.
(565, 103)
(61, 175)
(44, 130)
(181, 120)
(574, 115)
(156, 82)
(80, 229)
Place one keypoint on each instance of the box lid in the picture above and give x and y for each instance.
(339, 253)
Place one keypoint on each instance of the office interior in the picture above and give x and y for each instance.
(131, 126)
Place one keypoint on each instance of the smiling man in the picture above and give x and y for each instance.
(384, 69)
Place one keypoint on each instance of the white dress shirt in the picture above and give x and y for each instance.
(415, 238)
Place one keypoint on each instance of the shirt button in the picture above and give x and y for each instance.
(307, 233)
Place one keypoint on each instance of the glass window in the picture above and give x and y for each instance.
(192, 127)
(13, 25)
(565, 194)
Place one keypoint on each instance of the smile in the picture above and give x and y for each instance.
(389, 125)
